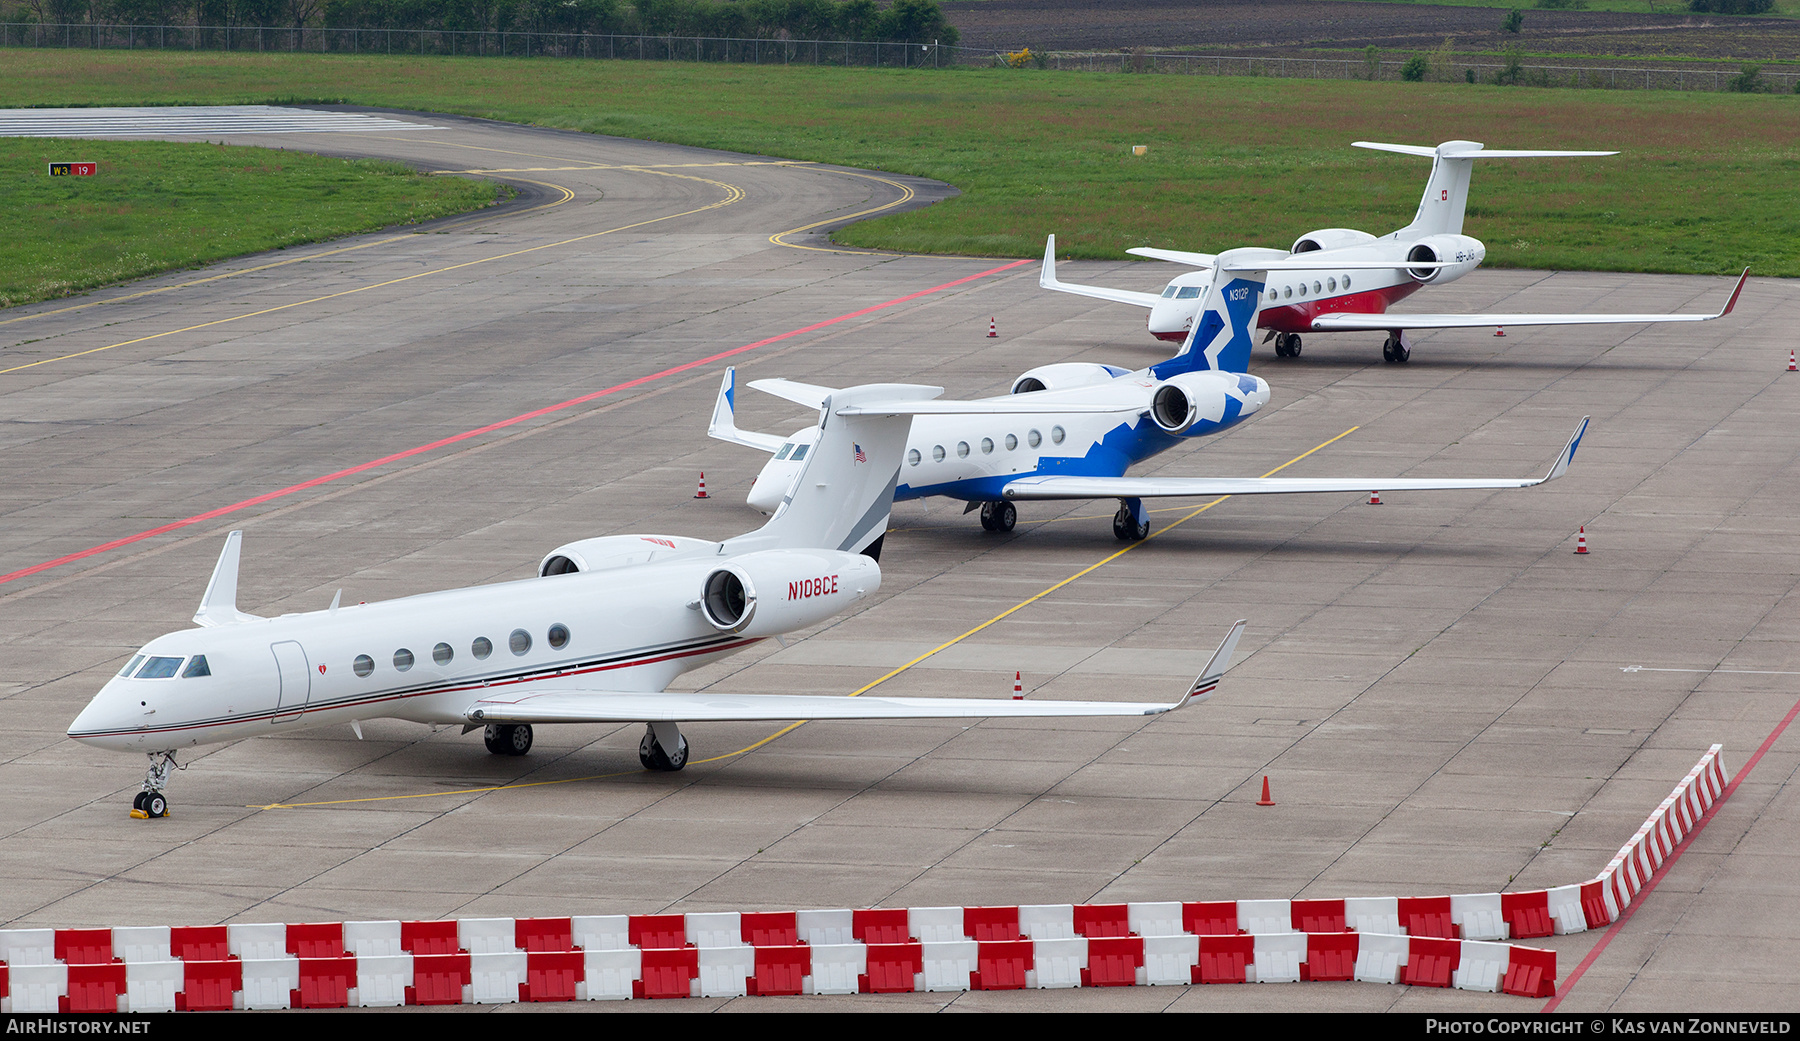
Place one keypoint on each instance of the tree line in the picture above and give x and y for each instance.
(913, 21)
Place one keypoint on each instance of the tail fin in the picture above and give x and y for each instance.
(1447, 189)
(1224, 333)
(842, 499)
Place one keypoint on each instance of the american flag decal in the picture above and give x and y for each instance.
(860, 457)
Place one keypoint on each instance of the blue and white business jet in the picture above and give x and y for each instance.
(1075, 427)
(606, 626)
(1326, 293)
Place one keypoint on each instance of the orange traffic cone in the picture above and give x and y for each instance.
(1018, 688)
(1581, 540)
(1265, 800)
(1499, 330)
(1374, 498)
(1793, 363)
(701, 494)
(993, 329)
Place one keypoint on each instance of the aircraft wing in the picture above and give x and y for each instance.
(1047, 279)
(1347, 322)
(1176, 256)
(1051, 486)
(576, 705)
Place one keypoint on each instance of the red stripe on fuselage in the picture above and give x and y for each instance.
(1297, 318)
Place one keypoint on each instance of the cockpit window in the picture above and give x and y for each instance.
(1188, 293)
(136, 659)
(1169, 293)
(197, 667)
(159, 668)
(785, 449)
(799, 453)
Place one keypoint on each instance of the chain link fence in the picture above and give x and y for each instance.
(848, 53)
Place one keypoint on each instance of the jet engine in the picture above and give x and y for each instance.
(618, 551)
(1461, 251)
(1330, 238)
(1064, 375)
(779, 590)
(1181, 402)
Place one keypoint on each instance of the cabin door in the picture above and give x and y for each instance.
(296, 680)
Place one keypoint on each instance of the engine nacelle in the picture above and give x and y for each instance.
(618, 551)
(1215, 399)
(779, 590)
(1064, 375)
(1463, 252)
(1330, 238)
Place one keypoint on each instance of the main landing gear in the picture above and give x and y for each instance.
(1396, 349)
(507, 738)
(1132, 522)
(1287, 345)
(151, 803)
(998, 516)
(663, 747)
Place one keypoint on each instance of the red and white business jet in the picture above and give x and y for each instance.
(1335, 298)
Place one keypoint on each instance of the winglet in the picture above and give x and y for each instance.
(724, 419)
(1729, 304)
(1561, 466)
(219, 605)
(1047, 277)
(1215, 668)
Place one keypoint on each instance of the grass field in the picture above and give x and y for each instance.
(1705, 184)
(155, 206)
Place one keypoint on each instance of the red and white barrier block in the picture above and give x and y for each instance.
(1442, 941)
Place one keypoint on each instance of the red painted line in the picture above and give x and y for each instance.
(1680, 848)
(478, 431)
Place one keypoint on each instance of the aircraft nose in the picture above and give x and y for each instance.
(107, 720)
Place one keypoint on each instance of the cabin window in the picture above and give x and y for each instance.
(785, 449)
(1273, 292)
(987, 446)
(520, 642)
(403, 659)
(1303, 289)
(799, 453)
(559, 636)
(363, 665)
(131, 665)
(1346, 281)
(1056, 435)
(1034, 439)
(962, 450)
(442, 654)
(1188, 293)
(1287, 291)
(937, 453)
(913, 457)
(481, 648)
(196, 668)
(159, 668)
(1331, 284)
(1317, 289)
(1169, 293)
(1012, 442)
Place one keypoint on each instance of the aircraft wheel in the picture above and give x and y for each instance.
(1293, 345)
(138, 802)
(155, 805)
(652, 755)
(507, 739)
(987, 516)
(1126, 529)
(1387, 350)
(1402, 353)
(1005, 516)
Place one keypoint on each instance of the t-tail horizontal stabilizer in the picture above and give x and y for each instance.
(724, 420)
(1047, 279)
(598, 706)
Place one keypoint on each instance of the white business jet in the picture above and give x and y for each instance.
(596, 638)
(1327, 294)
(1088, 422)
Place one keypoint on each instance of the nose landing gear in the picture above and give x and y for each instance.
(151, 803)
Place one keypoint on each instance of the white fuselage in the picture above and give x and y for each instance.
(972, 457)
(427, 658)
